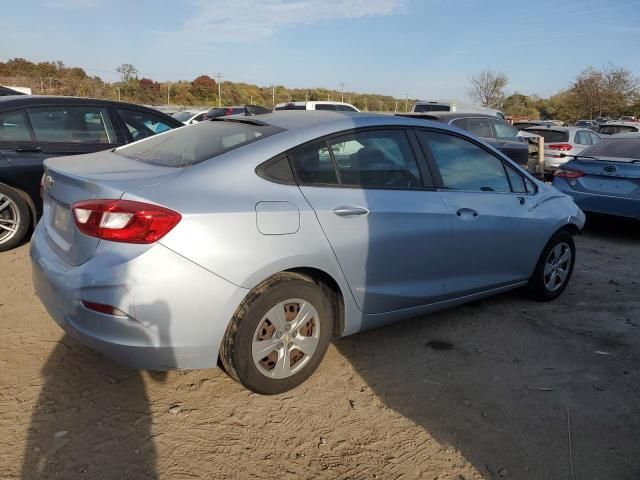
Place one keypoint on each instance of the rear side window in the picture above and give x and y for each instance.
(325, 106)
(13, 127)
(376, 159)
(464, 165)
(72, 125)
(184, 147)
(480, 127)
(313, 164)
(550, 136)
(583, 138)
(143, 124)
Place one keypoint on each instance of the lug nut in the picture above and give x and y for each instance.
(287, 327)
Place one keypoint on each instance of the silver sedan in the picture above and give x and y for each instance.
(257, 240)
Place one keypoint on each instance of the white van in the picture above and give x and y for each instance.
(422, 106)
(317, 105)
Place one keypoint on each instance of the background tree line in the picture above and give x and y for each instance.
(609, 91)
(55, 78)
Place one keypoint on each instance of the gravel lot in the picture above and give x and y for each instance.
(502, 388)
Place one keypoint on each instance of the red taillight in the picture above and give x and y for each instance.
(102, 308)
(563, 173)
(124, 220)
(563, 147)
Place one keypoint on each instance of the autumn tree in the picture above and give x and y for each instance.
(487, 88)
(127, 72)
(203, 89)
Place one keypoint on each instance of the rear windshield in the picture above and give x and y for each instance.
(188, 146)
(521, 125)
(550, 136)
(613, 129)
(616, 148)
(431, 108)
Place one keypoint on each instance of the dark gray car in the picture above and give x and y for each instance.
(500, 135)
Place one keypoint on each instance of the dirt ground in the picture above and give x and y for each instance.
(502, 388)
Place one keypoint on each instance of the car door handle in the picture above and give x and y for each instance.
(522, 200)
(348, 211)
(467, 213)
(27, 149)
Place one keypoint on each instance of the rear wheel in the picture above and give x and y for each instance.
(554, 268)
(15, 218)
(279, 334)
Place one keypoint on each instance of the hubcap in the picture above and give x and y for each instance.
(286, 338)
(556, 269)
(9, 218)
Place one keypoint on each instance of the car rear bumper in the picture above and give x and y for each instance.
(599, 203)
(175, 313)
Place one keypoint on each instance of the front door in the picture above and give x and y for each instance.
(495, 242)
(390, 232)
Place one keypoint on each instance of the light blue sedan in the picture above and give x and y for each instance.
(605, 178)
(257, 240)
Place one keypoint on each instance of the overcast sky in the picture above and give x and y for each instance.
(424, 48)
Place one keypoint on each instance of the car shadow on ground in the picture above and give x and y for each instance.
(522, 389)
(93, 417)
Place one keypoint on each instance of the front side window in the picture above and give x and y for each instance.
(516, 180)
(480, 127)
(13, 127)
(464, 165)
(72, 124)
(504, 130)
(142, 124)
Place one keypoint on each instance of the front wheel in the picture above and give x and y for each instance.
(554, 268)
(14, 218)
(279, 334)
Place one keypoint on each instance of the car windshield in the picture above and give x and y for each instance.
(184, 147)
(183, 116)
(550, 136)
(613, 129)
(615, 148)
(431, 108)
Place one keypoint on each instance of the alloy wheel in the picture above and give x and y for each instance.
(557, 266)
(9, 219)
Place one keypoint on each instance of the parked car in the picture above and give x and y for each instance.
(590, 124)
(613, 128)
(533, 123)
(33, 128)
(424, 106)
(497, 133)
(602, 120)
(189, 117)
(246, 110)
(628, 118)
(317, 105)
(562, 142)
(605, 178)
(257, 240)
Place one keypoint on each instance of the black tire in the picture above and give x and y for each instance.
(537, 288)
(236, 349)
(17, 208)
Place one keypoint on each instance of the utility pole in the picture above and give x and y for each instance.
(273, 96)
(341, 91)
(168, 90)
(219, 78)
(406, 104)
(118, 89)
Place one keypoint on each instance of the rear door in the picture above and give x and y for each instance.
(510, 143)
(496, 237)
(389, 229)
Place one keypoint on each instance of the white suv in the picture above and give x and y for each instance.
(334, 106)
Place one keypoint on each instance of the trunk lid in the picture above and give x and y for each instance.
(617, 177)
(85, 177)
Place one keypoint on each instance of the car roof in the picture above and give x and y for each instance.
(15, 101)
(446, 115)
(292, 120)
(624, 135)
